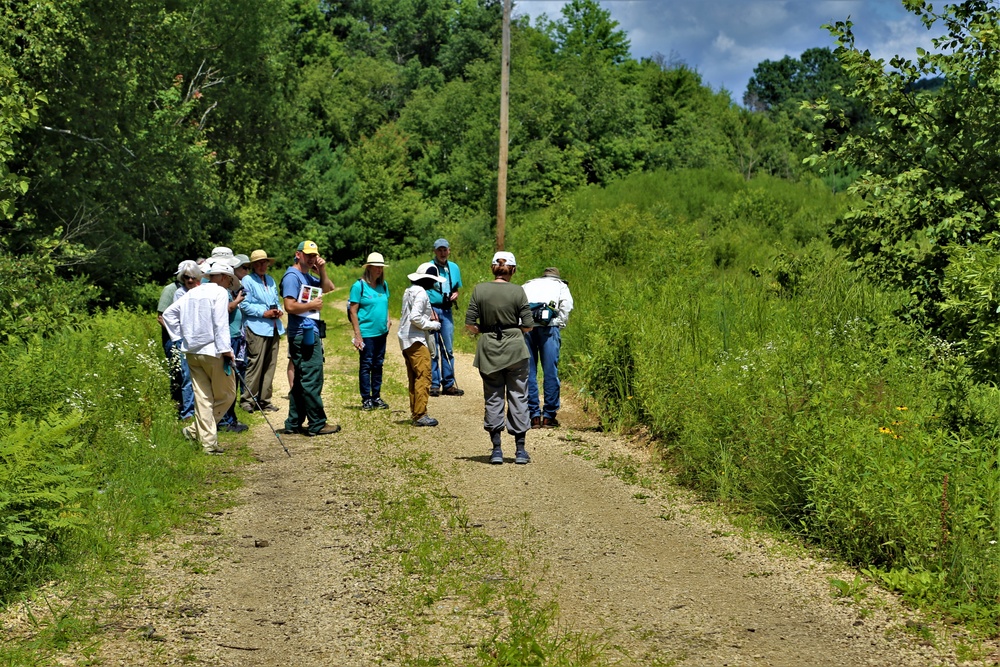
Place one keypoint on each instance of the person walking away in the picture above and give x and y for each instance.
(368, 307)
(237, 296)
(498, 313)
(306, 330)
(415, 320)
(550, 302)
(190, 275)
(200, 321)
(262, 319)
(443, 301)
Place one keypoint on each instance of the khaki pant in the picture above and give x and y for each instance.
(262, 359)
(418, 372)
(214, 392)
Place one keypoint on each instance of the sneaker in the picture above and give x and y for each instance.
(249, 409)
(380, 404)
(496, 458)
(536, 422)
(291, 431)
(425, 421)
(271, 408)
(453, 391)
(521, 457)
(329, 429)
(550, 422)
(367, 405)
(214, 452)
(435, 391)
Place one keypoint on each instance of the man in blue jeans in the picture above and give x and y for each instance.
(443, 377)
(550, 303)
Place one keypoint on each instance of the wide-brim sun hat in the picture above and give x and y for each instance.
(375, 259)
(219, 268)
(224, 254)
(258, 255)
(424, 272)
(508, 257)
(241, 260)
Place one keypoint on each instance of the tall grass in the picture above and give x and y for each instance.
(715, 313)
(91, 456)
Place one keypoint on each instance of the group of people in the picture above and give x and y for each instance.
(222, 321)
(518, 328)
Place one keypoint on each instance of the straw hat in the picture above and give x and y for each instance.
(375, 259)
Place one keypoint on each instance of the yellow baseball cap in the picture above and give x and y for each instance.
(308, 248)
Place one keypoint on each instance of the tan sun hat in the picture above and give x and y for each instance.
(258, 255)
(375, 259)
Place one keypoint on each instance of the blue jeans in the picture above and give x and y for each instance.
(371, 358)
(543, 345)
(229, 419)
(186, 408)
(443, 367)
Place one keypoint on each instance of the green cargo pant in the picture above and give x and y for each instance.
(305, 408)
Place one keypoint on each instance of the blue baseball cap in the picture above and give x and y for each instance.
(441, 243)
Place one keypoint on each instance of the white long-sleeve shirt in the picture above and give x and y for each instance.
(200, 320)
(554, 292)
(415, 320)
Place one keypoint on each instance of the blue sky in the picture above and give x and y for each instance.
(725, 39)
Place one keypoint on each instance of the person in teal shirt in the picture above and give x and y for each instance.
(368, 306)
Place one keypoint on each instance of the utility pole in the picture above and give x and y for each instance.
(504, 127)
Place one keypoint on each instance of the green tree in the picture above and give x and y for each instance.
(925, 195)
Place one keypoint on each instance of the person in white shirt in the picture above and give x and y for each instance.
(415, 321)
(551, 303)
(200, 321)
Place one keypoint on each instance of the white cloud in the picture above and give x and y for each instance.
(725, 39)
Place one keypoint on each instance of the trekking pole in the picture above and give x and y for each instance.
(261, 411)
(446, 361)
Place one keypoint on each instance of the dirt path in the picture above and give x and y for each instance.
(298, 572)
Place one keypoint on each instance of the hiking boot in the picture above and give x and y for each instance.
(453, 391)
(291, 431)
(271, 408)
(380, 404)
(214, 452)
(435, 391)
(367, 405)
(536, 422)
(521, 456)
(328, 429)
(550, 422)
(496, 458)
(425, 421)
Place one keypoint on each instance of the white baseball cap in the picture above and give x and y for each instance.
(508, 256)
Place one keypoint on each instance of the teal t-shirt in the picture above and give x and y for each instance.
(373, 308)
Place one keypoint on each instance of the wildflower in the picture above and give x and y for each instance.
(884, 429)
(902, 408)
(993, 541)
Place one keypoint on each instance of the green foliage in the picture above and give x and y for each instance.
(921, 198)
(36, 301)
(713, 313)
(18, 109)
(40, 491)
(92, 457)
